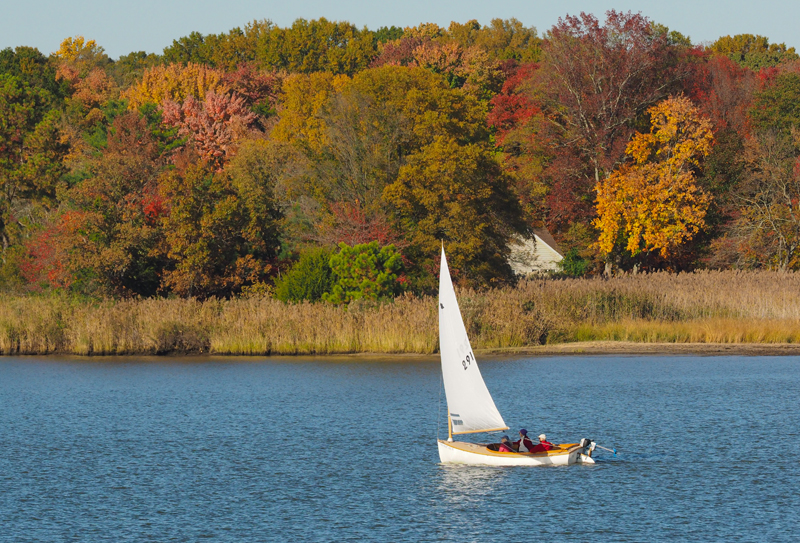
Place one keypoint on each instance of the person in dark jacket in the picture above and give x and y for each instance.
(523, 444)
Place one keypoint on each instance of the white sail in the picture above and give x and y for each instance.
(468, 400)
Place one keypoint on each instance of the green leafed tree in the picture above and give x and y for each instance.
(768, 225)
(501, 39)
(225, 50)
(187, 49)
(388, 33)
(777, 106)
(317, 46)
(399, 148)
(573, 264)
(31, 150)
(32, 67)
(365, 271)
(128, 69)
(753, 51)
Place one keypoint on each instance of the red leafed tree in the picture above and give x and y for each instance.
(513, 115)
(353, 225)
(258, 88)
(724, 92)
(213, 126)
(513, 106)
(43, 263)
(605, 76)
(596, 81)
(399, 52)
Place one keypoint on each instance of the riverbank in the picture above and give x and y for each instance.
(707, 310)
(631, 348)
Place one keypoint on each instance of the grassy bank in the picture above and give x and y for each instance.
(703, 307)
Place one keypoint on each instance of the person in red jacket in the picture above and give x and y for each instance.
(543, 445)
(523, 444)
(505, 445)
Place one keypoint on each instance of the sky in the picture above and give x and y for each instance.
(121, 27)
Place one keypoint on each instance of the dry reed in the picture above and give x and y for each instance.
(701, 307)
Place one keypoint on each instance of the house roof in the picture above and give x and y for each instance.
(546, 237)
(535, 254)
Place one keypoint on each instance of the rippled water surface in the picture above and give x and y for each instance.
(344, 450)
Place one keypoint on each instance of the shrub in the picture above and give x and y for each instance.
(573, 264)
(309, 279)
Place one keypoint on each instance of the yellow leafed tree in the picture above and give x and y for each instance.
(303, 97)
(74, 48)
(175, 82)
(652, 203)
(423, 30)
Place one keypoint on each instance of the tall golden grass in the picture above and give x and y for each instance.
(704, 307)
(246, 326)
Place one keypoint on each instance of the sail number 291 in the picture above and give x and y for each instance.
(466, 362)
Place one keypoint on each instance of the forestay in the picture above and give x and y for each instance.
(468, 400)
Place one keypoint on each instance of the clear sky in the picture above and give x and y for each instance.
(150, 25)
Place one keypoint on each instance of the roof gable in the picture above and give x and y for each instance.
(536, 254)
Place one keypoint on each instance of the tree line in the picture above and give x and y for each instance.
(324, 161)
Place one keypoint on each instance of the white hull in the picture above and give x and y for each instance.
(460, 452)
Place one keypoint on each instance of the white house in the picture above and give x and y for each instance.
(535, 255)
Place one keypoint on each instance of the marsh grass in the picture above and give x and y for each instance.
(245, 326)
(702, 307)
(711, 330)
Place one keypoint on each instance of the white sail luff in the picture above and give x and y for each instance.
(469, 403)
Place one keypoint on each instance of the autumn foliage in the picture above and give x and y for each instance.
(654, 203)
(213, 125)
(233, 161)
(175, 82)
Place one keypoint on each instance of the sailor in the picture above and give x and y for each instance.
(543, 445)
(523, 444)
(505, 445)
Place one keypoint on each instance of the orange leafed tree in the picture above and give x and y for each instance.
(213, 125)
(82, 65)
(652, 202)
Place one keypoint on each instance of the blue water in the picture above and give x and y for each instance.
(344, 450)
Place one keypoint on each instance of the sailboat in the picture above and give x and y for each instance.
(470, 407)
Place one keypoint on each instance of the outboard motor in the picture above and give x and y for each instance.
(588, 446)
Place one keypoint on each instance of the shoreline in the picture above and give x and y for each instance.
(636, 348)
(601, 348)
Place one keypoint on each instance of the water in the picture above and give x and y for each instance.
(343, 450)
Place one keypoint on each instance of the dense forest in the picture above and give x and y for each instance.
(324, 161)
